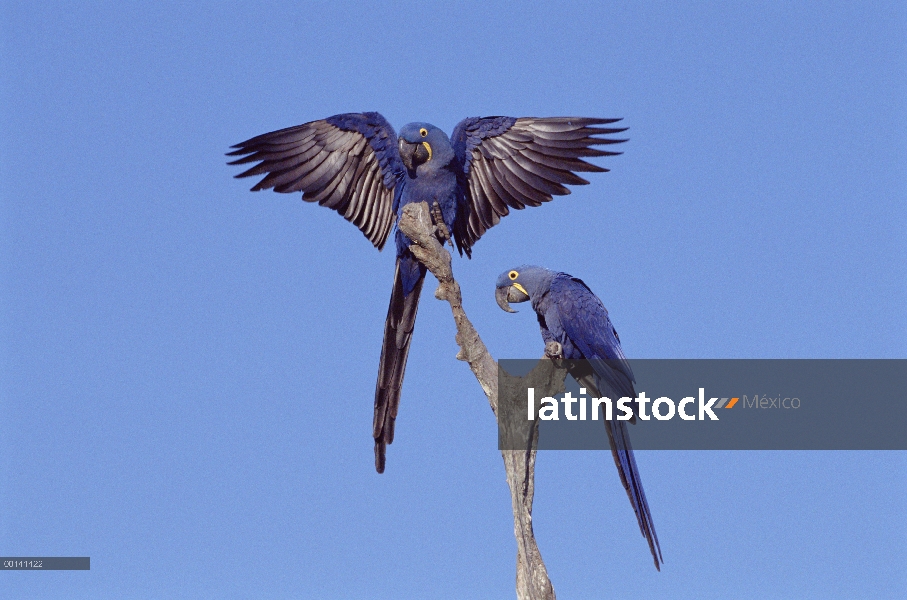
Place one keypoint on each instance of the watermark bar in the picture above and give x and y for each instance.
(706, 404)
(45, 563)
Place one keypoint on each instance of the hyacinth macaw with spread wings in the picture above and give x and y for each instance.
(570, 314)
(356, 165)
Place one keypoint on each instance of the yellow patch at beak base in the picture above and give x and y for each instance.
(427, 147)
(519, 287)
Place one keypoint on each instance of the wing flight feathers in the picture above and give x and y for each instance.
(514, 163)
(347, 162)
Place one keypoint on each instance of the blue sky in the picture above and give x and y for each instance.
(187, 369)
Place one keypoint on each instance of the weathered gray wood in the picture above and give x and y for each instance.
(532, 581)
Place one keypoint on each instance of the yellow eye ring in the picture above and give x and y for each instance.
(513, 275)
(423, 132)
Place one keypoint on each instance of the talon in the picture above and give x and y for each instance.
(441, 226)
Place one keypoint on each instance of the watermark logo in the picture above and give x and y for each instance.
(688, 404)
(766, 401)
(663, 408)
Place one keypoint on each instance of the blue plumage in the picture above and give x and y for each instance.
(355, 164)
(569, 313)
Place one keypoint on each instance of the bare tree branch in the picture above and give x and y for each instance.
(532, 581)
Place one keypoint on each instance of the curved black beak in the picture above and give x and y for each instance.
(412, 155)
(504, 295)
(406, 153)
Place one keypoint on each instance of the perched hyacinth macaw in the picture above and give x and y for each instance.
(569, 313)
(356, 165)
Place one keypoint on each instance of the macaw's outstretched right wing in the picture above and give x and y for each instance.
(348, 162)
(514, 163)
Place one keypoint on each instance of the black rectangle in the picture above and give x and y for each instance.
(45, 563)
(790, 404)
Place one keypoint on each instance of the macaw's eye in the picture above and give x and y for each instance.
(423, 132)
(513, 275)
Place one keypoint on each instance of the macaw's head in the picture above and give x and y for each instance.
(521, 284)
(423, 144)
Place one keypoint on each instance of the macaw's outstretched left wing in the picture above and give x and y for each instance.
(586, 323)
(349, 163)
(514, 163)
